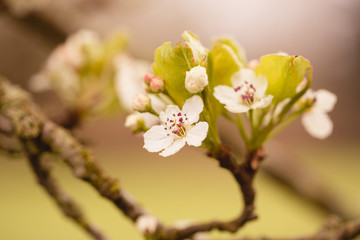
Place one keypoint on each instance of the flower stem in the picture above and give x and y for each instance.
(239, 123)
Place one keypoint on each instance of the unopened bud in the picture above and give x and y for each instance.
(147, 224)
(141, 103)
(157, 85)
(134, 122)
(196, 79)
(147, 78)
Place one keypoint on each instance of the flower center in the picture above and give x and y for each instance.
(177, 125)
(247, 92)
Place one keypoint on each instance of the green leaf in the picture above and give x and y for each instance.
(171, 64)
(284, 73)
(238, 50)
(198, 50)
(222, 64)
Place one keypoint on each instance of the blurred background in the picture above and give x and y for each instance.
(189, 185)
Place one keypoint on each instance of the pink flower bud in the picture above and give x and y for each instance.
(157, 85)
(141, 103)
(147, 78)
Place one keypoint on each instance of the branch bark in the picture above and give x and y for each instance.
(66, 204)
(332, 230)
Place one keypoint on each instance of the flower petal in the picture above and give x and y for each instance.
(239, 108)
(325, 100)
(170, 110)
(226, 95)
(173, 148)
(192, 108)
(156, 139)
(156, 103)
(262, 103)
(318, 124)
(149, 119)
(243, 75)
(197, 134)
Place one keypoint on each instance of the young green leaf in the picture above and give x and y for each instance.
(171, 64)
(284, 73)
(198, 50)
(238, 50)
(222, 64)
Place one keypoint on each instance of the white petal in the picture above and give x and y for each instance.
(247, 75)
(170, 110)
(325, 100)
(197, 134)
(149, 119)
(156, 103)
(226, 95)
(261, 84)
(156, 139)
(236, 79)
(147, 224)
(262, 103)
(192, 108)
(173, 148)
(239, 108)
(318, 124)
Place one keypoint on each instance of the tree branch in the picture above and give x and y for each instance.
(332, 230)
(66, 204)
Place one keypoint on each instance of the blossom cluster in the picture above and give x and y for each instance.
(178, 99)
(196, 85)
(83, 70)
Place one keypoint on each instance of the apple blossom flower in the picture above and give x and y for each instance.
(61, 68)
(196, 79)
(315, 120)
(147, 224)
(177, 128)
(248, 92)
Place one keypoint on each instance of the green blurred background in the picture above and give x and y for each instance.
(188, 185)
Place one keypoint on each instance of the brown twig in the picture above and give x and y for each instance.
(65, 203)
(332, 230)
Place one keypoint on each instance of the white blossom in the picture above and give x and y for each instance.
(315, 120)
(248, 92)
(196, 79)
(177, 128)
(147, 224)
(61, 68)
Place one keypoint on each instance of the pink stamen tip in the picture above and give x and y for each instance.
(237, 89)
